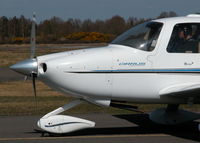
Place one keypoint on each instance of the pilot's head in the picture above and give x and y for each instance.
(187, 30)
(181, 34)
(184, 32)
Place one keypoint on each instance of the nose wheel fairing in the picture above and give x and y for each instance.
(63, 124)
(54, 123)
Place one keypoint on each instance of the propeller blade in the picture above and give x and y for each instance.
(25, 78)
(34, 87)
(33, 47)
(33, 40)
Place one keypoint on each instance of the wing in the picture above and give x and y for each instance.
(185, 90)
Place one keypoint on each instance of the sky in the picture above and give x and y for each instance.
(96, 9)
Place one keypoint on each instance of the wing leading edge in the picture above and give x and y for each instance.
(186, 90)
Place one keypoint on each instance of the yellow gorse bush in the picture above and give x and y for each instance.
(89, 37)
(18, 39)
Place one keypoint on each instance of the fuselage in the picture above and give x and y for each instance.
(112, 72)
(121, 72)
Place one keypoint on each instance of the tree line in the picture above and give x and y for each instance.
(57, 30)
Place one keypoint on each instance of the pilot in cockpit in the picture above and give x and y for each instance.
(183, 41)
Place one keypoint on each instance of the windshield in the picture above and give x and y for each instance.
(143, 36)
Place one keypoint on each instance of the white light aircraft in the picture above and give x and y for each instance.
(155, 62)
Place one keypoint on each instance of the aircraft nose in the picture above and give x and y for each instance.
(38, 123)
(26, 67)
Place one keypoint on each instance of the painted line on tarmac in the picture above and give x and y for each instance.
(84, 137)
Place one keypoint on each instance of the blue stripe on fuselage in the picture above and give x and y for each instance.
(149, 70)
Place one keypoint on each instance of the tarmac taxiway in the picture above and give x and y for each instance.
(128, 128)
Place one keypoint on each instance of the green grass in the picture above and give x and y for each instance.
(10, 54)
(26, 105)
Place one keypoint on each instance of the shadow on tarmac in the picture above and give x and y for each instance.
(145, 126)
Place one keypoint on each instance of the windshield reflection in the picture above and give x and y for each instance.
(143, 36)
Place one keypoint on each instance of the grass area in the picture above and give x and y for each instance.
(10, 54)
(16, 98)
(24, 105)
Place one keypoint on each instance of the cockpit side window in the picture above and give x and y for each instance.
(185, 38)
(143, 37)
